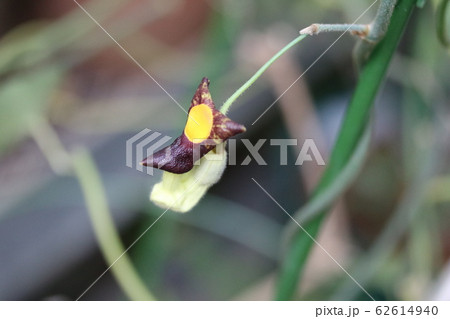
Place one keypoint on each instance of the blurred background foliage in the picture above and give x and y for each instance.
(61, 74)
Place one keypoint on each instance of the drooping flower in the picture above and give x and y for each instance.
(184, 183)
(205, 128)
(197, 158)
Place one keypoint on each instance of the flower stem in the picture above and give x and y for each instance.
(225, 107)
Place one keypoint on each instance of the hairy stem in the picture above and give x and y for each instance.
(316, 28)
(372, 32)
(377, 29)
(379, 26)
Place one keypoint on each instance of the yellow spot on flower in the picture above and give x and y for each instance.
(199, 123)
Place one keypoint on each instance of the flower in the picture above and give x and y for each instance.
(197, 159)
(205, 128)
(181, 192)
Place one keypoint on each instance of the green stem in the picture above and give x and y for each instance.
(105, 230)
(441, 22)
(352, 128)
(91, 185)
(408, 209)
(420, 164)
(50, 145)
(347, 175)
(231, 99)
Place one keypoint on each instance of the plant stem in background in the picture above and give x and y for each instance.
(333, 190)
(225, 107)
(352, 128)
(50, 145)
(86, 172)
(421, 161)
(407, 211)
(105, 230)
(441, 22)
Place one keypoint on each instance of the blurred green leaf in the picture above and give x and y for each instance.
(22, 99)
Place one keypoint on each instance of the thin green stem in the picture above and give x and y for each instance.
(225, 107)
(86, 172)
(105, 230)
(352, 128)
(50, 145)
(333, 190)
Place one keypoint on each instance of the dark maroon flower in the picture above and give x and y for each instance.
(205, 128)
